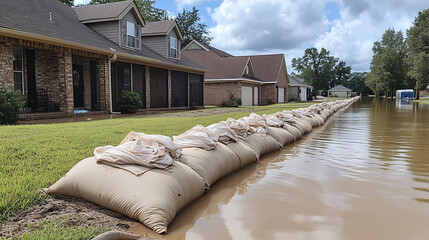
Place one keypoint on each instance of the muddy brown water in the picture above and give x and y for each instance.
(362, 175)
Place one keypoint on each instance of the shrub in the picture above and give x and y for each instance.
(270, 101)
(130, 101)
(231, 102)
(10, 105)
(335, 95)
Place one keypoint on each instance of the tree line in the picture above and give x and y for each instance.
(189, 21)
(401, 63)
(323, 71)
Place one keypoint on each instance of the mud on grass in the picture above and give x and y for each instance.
(62, 217)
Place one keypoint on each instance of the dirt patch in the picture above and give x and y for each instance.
(82, 213)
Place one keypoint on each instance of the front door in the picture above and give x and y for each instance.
(78, 90)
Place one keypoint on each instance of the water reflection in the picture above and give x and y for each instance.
(363, 175)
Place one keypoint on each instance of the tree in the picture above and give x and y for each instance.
(68, 2)
(388, 67)
(146, 8)
(341, 74)
(316, 68)
(418, 51)
(191, 28)
(356, 82)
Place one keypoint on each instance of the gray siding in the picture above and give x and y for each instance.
(108, 29)
(156, 43)
(194, 46)
(130, 17)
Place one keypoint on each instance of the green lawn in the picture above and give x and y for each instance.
(36, 156)
(422, 101)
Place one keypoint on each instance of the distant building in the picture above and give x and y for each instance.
(298, 90)
(339, 91)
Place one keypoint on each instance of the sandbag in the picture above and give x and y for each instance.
(153, 198)
(261, 144)
(297, 134)
(303, 125)
(319, 119)
(244, 152)
(198, 136)
(282, 136)
(241, 128)
(224, 132)
(211, 165)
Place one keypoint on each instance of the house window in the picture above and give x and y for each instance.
(247, 70)
(131, 34)
(18, 74)
(174, 53)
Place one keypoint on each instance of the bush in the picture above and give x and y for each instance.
(10, 105)
(130, 101)
(231, 102)
(270, 101)
(335, 95)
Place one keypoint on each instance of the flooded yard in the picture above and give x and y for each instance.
(362, 175)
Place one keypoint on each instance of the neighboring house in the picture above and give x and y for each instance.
(163, 37)
(64, 58)
(271, 69)
(225, 76)
(258, 79)
(339, 91)
(298, 90)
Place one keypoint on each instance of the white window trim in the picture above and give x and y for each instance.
(175, 48)
(22, 71)
(135, 42)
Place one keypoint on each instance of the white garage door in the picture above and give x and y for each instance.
(246, 96)
(303, 94)
(281, 95)
(255, 96)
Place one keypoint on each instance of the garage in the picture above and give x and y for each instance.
(246, 96)
(280, 95)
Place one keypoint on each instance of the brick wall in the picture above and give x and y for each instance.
(6, 65)
(215, 93)
(104, 97)
(268, 91)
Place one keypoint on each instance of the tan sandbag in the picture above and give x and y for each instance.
(261, 144)
(319, 119)
(244, 152)
(117, 235)
(153, 198)
(282, 136)
(198, 137)
(297, 134)
(303, 125)
(314, 122)
(211, 165)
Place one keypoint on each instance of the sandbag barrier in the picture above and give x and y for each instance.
(150, 178)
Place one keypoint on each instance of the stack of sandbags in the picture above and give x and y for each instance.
(211, 163)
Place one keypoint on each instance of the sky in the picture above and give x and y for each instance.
(346, 28)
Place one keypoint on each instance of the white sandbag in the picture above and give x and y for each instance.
(165, 141)
(224, 132)
(273, 121)
(153, 198)
(319, 118)
(303, 125)
(244, 152)
(297, 134)
(198, 137)
(241, 128)
(282, 136)
(256, 122)
(261, 144)
(143, 151)
(211, 165)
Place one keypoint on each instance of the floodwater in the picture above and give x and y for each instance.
(362, 175)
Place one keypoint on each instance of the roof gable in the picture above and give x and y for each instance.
(195, 45)
(339, 88)
(108, 12)
(268, 67)
(161, 28)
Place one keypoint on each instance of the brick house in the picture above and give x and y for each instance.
(64, 58)
(257, 79)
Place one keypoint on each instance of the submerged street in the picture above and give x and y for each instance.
(362, 175)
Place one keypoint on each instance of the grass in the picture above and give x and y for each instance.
(63, 227)
(36, 156)
(422, 101)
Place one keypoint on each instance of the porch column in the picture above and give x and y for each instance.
(169, 88)
(65, 77)
(104, 96)
(6, 65)
(147, 73)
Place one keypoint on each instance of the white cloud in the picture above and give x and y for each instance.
(289, 26)
(188, 3)
(77, 2)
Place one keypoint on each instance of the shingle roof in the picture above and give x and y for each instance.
(101, 11)
(161, 27)
(267, 67)
(339, 88)
(295, 81)
(219, 68)
(32, 16)
(216, 51)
